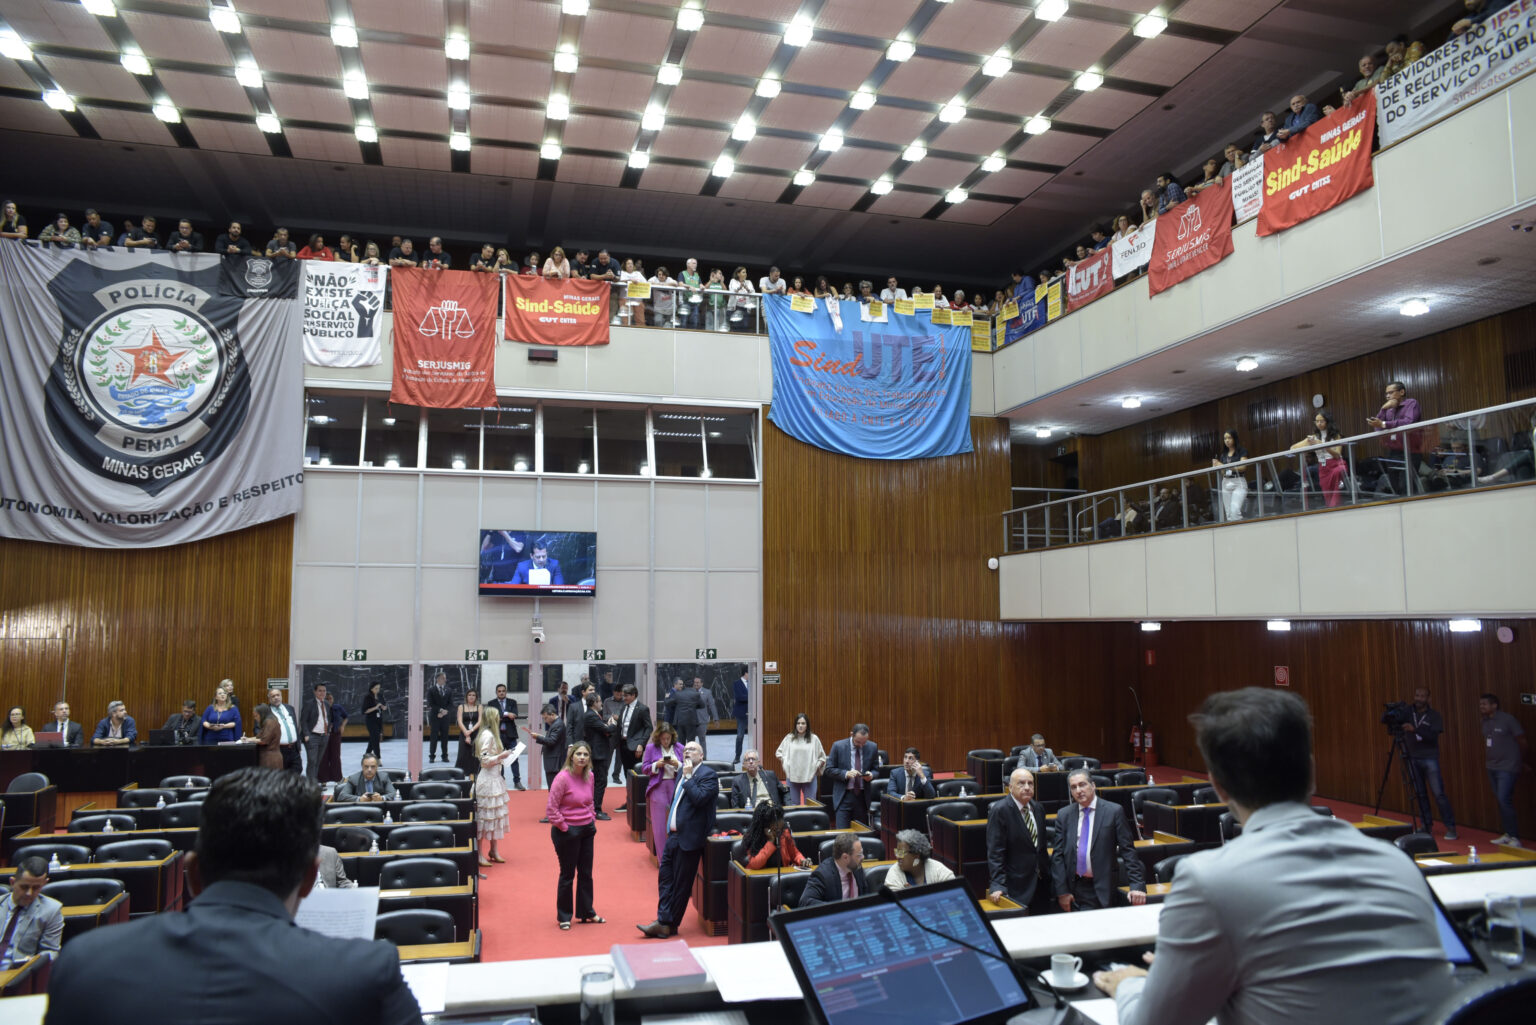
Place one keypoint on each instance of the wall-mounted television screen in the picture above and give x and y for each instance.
(538, 563)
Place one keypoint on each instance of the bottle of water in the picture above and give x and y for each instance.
(319, 881)
(373, 848)
(107, 827)
(1472, 858)
(161, 802)
(1150, 780)
(54, 864)
(388, 818)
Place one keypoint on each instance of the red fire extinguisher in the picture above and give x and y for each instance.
(1150, 756)
(1136, 742)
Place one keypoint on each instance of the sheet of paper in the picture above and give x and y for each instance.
(1102, 1010)
(429, 983)
(744, 972)
(701, 1018)
(1432, 861)
(345, 914)
(517, 752)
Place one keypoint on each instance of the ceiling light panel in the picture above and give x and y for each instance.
(798, 32)
(456, 47)
(690, 19)
(136, 64)
(862, 100)
(900, 50)
(565, 60)
(1050, 10)
(224, 19)
(669, 74)
(100, 8)
(343, 34)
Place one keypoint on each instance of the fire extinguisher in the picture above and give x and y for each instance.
(1150, 756)
(1135, 739)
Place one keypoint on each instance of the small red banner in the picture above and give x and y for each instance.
(445, 338)
(1090, 279)
(1191, 237)
(1320, 168)
(545, 311)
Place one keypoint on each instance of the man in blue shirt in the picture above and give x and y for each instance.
(117, 729)
(1302, 114)
(1169, 194)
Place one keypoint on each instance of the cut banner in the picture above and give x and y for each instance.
(342, 303)
(1320, 168)
(557, 312)
(445, 338)
(899, 389)
(1089, 279)
(1192, 236)
(142, 402)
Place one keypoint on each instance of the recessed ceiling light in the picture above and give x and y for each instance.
(458, 97)
(653, 119)
(1279, 625)
(881, 186)
(166, 112)
(1246, 364)
(355, 86)
(724, 167)
(1414, 308)
(690, 19)
(1305, 327)
(1088, 81)
(1488, 261)
(366, 133)
(549, 151)
(639, 159)
(269, 124)
(565, 60)
(952, 111)
(389, 421)
(100, 8)
(669, 74)
(1042, 432)
(248, 75)
(224, 19)
(459, 142)
(1037, 125)
(458, 462)
(914, 152)
(1149, 627)
(559, 108)
(832, 141)
(1150, 25)
(862, 100)
(392, 463)
(343, 34)
(993, 164)
(769, 88)
(1050, 10)
(58, 99)
(1466, 626)
(1130, 402)
(12, 46)
(135, 64)
(997, 65)
(900, 50)
(745, 129)
(798, 32)
(576, 7)
(954, 196)
(804, 177)
(456, 47)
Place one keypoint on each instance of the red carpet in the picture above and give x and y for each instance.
(517, 900)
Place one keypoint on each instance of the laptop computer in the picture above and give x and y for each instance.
(924, 956)
(162, 738)
(54, 739)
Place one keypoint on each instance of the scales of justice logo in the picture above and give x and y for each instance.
(153, 386)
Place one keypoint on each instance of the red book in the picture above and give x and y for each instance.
(647, 966)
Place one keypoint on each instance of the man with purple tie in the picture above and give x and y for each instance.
(851, 767)
(1091, 836)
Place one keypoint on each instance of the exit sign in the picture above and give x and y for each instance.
(476, 654)
(708, 654)
(594, 654)
(354, 654)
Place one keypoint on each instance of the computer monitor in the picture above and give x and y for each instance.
(924, 956)
(1452, 940)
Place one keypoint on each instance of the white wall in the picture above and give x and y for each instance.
(1466, 554)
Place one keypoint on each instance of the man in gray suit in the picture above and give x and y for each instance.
(1299, 919)
(690, 712)
(332, 872)
(34, 923)
(1038, 756)
(367, 784)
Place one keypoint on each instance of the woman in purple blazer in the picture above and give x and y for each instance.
(663, 760)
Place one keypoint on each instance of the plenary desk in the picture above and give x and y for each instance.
(151, 885)
(81, 918)
(180, 839)
(463, 829)
(711, 887)
(1497, 858)
(1200, 822)
(77, 769)
(897, 814)
(27, 977)
(465, 951)
(1382, 828)
(38, 808)
(459, 901)
(364, 868)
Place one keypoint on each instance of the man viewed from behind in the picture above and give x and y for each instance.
(256, 856)
(1300, 918)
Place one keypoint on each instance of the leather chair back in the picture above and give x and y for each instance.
(721, 768)
(803, 820)
(726, 821)
(97, 823)
(79, 892)
(1131, 778)
(145, 797)
(181, 815)
(874, 849)
(68, 853)
(396, 776)
(1101, 780)
(27, 783)
(956, 810)
(1159, 795)
(184, 782)
(354, 813)
(786, 890)
(1417, 843)
(1323, 810)
(413, 873)
(984, 752)
(1205, 795)
(411, 838)
(959, 787)
(428, 811)
(436, 790)
(198, 796)
(723, 801)
(874, 876)
(1231, 829)
(133, 850)
(444, 772)
(415, 926)
(354, 839)
(1080, 762)
(1165, 869)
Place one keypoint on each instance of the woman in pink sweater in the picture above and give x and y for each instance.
(573, 827)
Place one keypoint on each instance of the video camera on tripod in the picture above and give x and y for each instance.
(1396, 715)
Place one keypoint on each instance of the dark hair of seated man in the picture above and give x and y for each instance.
(260, 826)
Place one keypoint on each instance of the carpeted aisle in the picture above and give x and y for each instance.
(517, 900)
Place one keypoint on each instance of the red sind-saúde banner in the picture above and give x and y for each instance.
(550, 312)
(445, 338)
(1191, 237)
(1091, 278)
(1320, 168)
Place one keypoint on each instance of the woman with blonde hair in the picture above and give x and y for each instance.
(490, 788)
(557, 266)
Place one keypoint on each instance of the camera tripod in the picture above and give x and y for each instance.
(1412, 782)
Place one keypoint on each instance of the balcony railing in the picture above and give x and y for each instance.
(1484, 448)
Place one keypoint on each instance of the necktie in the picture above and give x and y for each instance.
(754, 789)
(1034, 831)
(848, 889)
(1083, 839)
(10, 930)
(858, 765)
(677, 797)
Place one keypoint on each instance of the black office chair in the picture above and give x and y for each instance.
(445, 772)
(415, 873)
(428, 811)
(726, 821)
(786, 891)
(739, 851)
(414, 927)
(874, 876)
(1153, 795)
(1019, 749)
(83, 892)
(353, 813)
(67, 853)
(1323, 810)
(354, 839)
(436, 790)
(27, 783)
(418, 838)
(1507, 1004)
(957, 811)
(133, 850)
(1130, 778)
(185, 782)
(984, 752)
(723, 800)
(98, 823)
(395, 775)
(722, 768)
(197, 796)
(1416, 843)
(1009, 764)
(145, 798)
(182, 815)
(1080, 762)
(803, 820)
(1165, 869)
(1205, 795)
(958, 787)
(1101, 780)
(1231, 829)
(874, 849)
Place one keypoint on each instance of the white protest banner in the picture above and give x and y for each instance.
(1467, 68)
(1248, 189)
(342, 303)
(1132, 250)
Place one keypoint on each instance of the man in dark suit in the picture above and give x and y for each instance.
(839, 877)
(689, 822)
(439, 716)
(255, 859)
(669, 704)
(315, 732)
(540, 566)
(506, 708)
(910, 781)
(1018, 864)
(552, 744)
(1083, 867)
(72, 732)
(575, 714)
(754, 784)
(741, 693)
(851, 767)
(598, 732)
(287, 730)
(367, 784)
(634, 731)
(688, 707)
(561, 701)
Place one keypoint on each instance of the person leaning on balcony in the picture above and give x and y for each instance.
(664, 298)
(1478, 11)
(634, 309)
(1400, 54)
(1370, 74)
(1269, 134)
(1303, 113)
(1212, 177)
(1234, 483)
(557, 266)
(1330, 461)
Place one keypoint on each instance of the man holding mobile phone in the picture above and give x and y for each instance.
(851, 767)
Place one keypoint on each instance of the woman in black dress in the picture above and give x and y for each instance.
(373, 714)
(469, 723)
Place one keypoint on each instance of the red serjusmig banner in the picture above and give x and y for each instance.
(445, 338)
(551, 312)
(1090, 279)
(1320, 168)
(1191, 237)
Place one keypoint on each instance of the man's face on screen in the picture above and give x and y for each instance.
(540, 556)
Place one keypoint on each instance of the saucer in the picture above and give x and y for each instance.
(1079, 980)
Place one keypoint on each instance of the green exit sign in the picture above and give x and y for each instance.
(594, 654)
(476, 654)
(708, 654)
(354, 654)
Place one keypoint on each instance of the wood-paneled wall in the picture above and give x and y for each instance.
(151, 626)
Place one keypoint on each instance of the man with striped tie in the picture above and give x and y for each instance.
(1017, 861)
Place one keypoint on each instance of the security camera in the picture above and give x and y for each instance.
(538, 635)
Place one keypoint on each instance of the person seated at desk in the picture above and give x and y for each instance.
(34, 923)
(755, 785)
(1038, 756)
(117, 729)
(915, 863)
(769, 842)
(184, 725)
(366, 784)
(17, 735)
(840, 877)
(539, 568)
(256, 856)
(1301, 918)
(909, 781)
(71, 733)
(332, 873)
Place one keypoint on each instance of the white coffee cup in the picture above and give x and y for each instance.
(1064, 969)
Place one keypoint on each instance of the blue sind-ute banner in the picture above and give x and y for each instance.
(894, 387)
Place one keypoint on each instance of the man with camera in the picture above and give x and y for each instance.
(1421, 739)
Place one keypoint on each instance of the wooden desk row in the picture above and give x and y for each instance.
(185, 837)
(152, 886)
(78, 769)
(149, 818)
(711, 892)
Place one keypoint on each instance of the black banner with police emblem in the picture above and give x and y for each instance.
(259, 277)
(144, 399)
